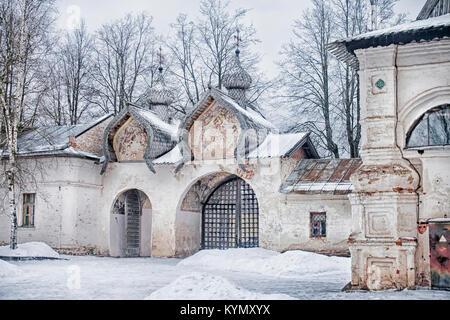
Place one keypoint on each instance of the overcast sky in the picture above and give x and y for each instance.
(273, 19)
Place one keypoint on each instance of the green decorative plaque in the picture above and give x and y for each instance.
(380, 84)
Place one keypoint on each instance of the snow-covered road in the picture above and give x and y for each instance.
(232, 274)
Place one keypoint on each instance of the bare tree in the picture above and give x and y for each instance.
(188, 68)
(217, 31)
(124, 60)
(24, 25)
(76, 59)
(68, 78)
(354, 17)
(325, 90)
(305, 73)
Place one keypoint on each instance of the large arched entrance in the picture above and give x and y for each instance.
(131, 225)
(230, 216)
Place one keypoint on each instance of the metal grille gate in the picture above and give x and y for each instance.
(133, 215)
(230, 217)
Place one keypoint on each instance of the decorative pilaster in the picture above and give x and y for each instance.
(384, 202)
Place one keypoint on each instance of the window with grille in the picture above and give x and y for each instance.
(318, 225)
(29, 200)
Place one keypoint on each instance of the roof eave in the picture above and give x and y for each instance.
(344, 50)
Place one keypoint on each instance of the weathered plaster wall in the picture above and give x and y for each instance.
(167, 191)
(130, 141)
(118, 225)
(289, 164)
(296, 226)
(79, 211)
(188, 233)
(396, 188)
(66, 209)
(90, 140)
(214, 134)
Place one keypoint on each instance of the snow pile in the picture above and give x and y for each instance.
(8, 270)
(271, 263)
(202, 286)
(29, 250)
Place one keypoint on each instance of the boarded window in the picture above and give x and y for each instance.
(28, 209)
(318, 225)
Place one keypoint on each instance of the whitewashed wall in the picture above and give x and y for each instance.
(295, 222)
(68, 191)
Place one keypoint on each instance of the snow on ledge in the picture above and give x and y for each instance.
(203, 286)
(29, 250)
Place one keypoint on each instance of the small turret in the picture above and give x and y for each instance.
(158, 98)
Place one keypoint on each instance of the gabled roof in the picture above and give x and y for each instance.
(420, 30)
(54, 140)
(248, 119)
(283, 145)
(161, 135)
(329, 176)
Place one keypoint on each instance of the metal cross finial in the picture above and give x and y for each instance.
(161, 59)
(238, 40)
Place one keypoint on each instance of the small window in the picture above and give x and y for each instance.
(28, 210)
(432, 129)
(318, 225)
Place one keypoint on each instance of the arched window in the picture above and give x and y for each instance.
(432, 129)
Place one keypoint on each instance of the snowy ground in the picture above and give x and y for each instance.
(239, 274)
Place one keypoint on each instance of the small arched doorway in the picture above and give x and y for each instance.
(230, 216)
(131, 225)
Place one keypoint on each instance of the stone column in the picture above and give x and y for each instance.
(384, 202)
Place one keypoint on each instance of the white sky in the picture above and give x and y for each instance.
(273, 19)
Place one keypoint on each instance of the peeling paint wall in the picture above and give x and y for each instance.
(66, 208)
(296, 224)
(130, 141)
(214, 134)
(90, 141)
(396, 188)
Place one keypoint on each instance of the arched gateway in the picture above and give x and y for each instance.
(231, 216)
(131, 225)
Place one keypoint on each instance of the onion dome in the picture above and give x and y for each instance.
(159, 94)
(237, 77)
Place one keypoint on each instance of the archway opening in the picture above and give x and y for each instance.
(131, 225)
(230, 216)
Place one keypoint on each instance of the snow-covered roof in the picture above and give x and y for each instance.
(171, 157)
(248, 113)
(330, 176)
(419, 30)
(54, 140)
(278, 145)
(155, 121)
(274, 146)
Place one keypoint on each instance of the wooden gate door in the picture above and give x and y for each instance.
(230, 217)
(133, 227)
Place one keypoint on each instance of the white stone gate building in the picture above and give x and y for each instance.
(140, 184)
